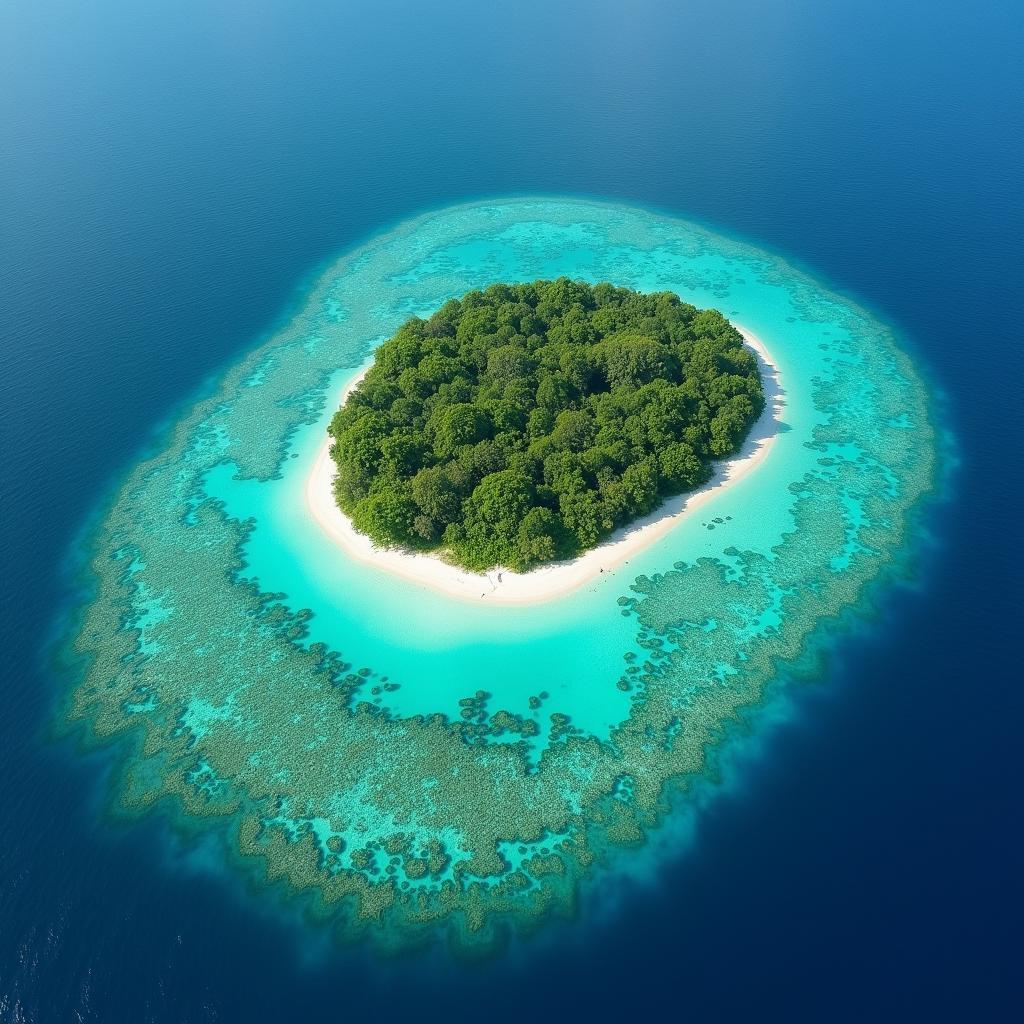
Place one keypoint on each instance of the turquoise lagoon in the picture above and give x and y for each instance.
(415, 763)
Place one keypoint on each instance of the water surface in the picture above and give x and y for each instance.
(171, 180)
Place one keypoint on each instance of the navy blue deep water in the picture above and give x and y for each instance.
(171, 175)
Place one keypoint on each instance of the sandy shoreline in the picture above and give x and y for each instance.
(554, 580)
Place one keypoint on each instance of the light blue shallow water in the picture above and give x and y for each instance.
(437, 648)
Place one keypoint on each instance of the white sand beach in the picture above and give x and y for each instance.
(501, 586)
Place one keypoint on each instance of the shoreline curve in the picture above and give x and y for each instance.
(556, 579)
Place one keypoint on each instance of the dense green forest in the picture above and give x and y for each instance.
(524, 423)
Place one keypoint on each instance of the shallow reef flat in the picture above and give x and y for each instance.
(399, 810)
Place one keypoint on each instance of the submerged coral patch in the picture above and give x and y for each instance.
(400, 819)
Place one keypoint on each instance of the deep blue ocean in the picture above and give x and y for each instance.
(173, 174)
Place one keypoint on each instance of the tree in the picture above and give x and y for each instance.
(583, 516)
(630, 360)
(435, 495)
(541, 536)
(385, 516)
(681, 470)
(730, 424)
(457, 425)
(508, 363)
(492, 516)
(640, 485)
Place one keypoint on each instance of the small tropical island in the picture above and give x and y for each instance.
(524, 424)
(366, 725)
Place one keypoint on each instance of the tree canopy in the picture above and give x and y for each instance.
(526, 422)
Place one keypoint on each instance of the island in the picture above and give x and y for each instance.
(526, 423)
(405, 766)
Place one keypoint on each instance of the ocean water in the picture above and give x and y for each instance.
(172, 183)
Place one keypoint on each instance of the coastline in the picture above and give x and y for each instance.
(504, 587)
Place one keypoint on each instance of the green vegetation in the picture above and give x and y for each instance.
(526, 422)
